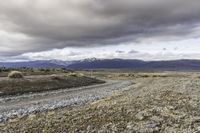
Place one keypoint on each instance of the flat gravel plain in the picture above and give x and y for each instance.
(151, 105)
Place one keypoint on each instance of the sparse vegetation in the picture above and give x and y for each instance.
(34, 71)
(73, 74)
(81, 75)
(15, 74)
(53, 82)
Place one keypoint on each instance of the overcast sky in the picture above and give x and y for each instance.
(78, 29)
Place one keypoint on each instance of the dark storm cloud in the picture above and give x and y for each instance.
(61, 23)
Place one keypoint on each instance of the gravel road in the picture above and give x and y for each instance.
(11, 106)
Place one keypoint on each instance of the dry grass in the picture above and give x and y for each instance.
(15, 74)
(54, 82)
(75, 74)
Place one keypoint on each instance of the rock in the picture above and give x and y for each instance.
(1, 118)
(171, 107)
(142, 115)
(156, 118)
(151, 124)
(2, 124)
(89, 128)
(195, 120)
(130, 125)
(130, 128)
(198, 128)
(14, 120)
(51, 113)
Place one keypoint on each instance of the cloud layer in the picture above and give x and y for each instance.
(157, 51)
(37, 25)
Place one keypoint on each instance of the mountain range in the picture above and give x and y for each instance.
(35, 64)
(94, 63)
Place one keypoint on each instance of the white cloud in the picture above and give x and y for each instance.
(186, 49)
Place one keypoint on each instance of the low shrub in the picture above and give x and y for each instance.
(81, 75)
(15, 74)
(73, 74)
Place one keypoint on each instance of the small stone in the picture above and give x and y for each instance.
(156, 118)
(90, 128)
(170, 107)
(151, 124)
(195, 121)
(130, 125)
(141, 115)
(198, 128)
(51, 113)
(14, 120)
(2, 124)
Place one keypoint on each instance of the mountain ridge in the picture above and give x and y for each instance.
(183, 64)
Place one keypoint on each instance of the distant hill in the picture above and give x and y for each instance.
(137, 64)
(176, 65)
(107, 63)
(32, 64)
